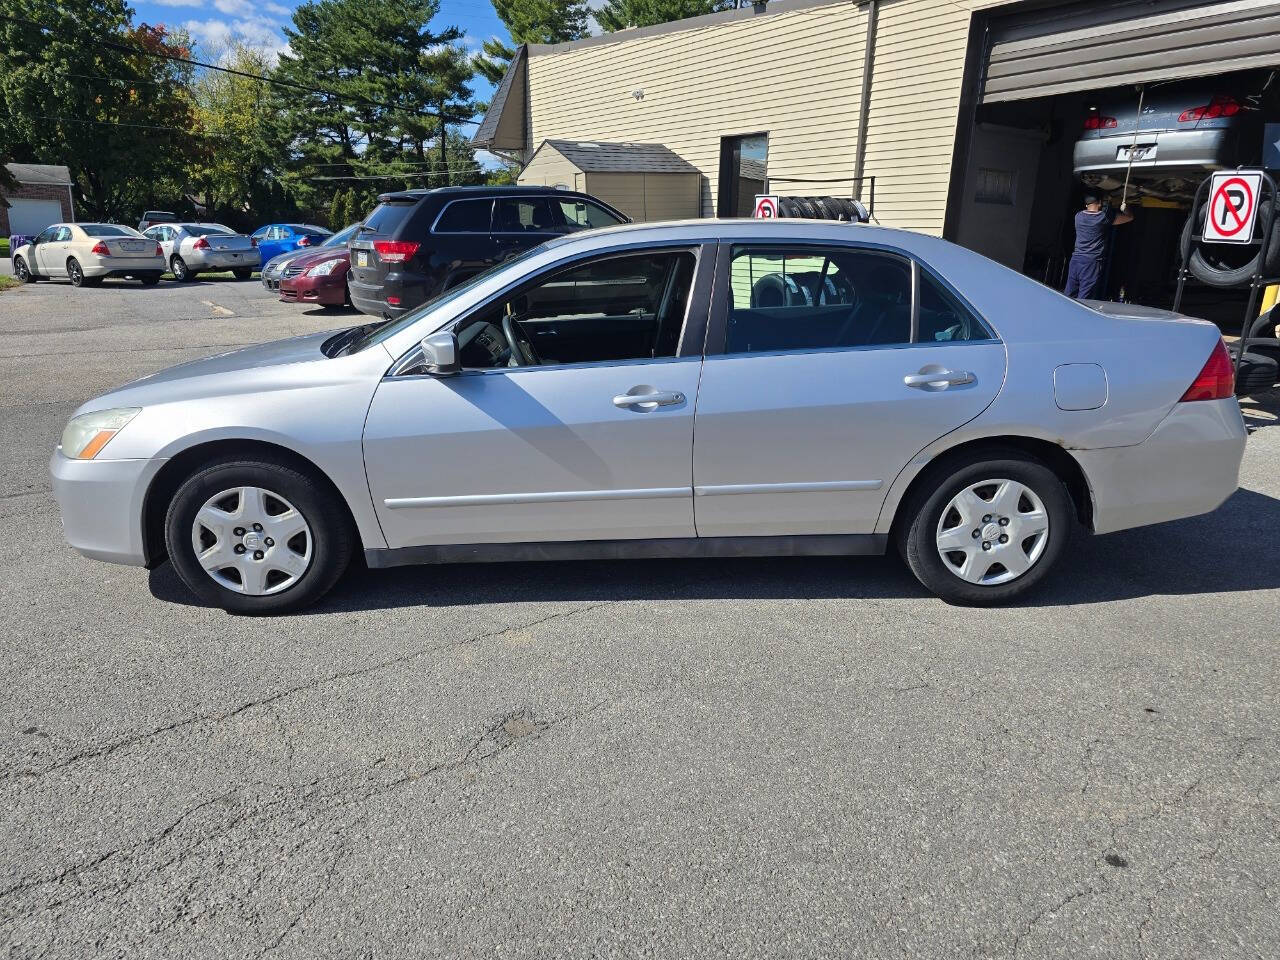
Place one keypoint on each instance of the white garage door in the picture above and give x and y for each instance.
(32, 216)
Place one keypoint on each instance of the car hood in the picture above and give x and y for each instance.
(258, 367)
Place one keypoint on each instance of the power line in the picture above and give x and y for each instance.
(130, 48)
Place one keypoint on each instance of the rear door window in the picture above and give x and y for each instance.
(465, 216)
(943, 319)
(387, 217)
(523, 215)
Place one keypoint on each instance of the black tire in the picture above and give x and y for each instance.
(1258, 371)
(242, 273)
(178, 267)
(1225, 265)
(922, 514)
(333, 536)
(22, 271)
(150, 279)
(75, 273)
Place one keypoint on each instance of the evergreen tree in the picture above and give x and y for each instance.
(620, 14)
(530, 21)
(336, 212)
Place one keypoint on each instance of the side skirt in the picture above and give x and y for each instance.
(851, 545)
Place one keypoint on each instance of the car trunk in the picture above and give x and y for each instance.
(368, 266)
(229, 243)
(134, 247)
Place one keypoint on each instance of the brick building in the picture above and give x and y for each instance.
(42, 197)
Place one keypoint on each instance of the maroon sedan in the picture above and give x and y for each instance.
(319, 277)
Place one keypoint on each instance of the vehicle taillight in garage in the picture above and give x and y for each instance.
(395, 251)
(1217, 107)
(1099, 122)
(200, 244)
(1217, 380)
(101, 249)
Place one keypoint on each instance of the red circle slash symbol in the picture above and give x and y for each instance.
(1237, 213)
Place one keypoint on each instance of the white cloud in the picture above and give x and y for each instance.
(234, 8)
(253, 32)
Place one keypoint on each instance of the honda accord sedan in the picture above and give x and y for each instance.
(708, 388)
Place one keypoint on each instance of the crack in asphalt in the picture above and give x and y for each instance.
(107, 749)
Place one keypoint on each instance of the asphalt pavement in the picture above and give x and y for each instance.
(741, 758)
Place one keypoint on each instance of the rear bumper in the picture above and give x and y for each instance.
(124, 267)
(101, 505)
(408, 289)
(1175, 151)
(330, 291)
(238, 260)
(1188, 466)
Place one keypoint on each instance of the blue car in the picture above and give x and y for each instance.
(278, 238)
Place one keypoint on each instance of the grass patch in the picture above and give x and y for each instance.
(7, 282)
(4, 246)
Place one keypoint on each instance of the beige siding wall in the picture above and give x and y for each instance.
(795, 75)
(550, 168)
(785, 74)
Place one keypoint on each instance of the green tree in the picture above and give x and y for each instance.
(336, 213)
(620, 14)
(530, 21)
(243, 147)
(119, 119)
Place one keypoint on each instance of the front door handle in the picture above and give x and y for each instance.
(646, 398)
(938, 378)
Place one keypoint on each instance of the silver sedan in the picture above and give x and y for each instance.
(710, 388)
(193, 248)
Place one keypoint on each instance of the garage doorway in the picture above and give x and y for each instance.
(744, 172)
(29, 217)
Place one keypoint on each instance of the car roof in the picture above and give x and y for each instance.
(475, 191)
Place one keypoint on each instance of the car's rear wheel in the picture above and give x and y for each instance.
(257, 537)
(21, 271)
(242, 273)
(178, 267)
(987, 529)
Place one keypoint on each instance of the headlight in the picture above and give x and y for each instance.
(325, 268)
(88, 433)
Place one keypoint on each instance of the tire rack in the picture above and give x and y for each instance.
(1259, 281)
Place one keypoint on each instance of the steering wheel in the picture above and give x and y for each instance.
(522, 351)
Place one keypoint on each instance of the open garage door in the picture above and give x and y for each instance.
(1090, 45)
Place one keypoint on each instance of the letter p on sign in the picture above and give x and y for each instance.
(1233, 206)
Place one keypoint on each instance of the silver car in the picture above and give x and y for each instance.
(708, 388)
(274, 270)
(194, 248)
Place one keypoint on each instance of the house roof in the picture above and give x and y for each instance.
(40, 173)
(505, 121)
(593, 156)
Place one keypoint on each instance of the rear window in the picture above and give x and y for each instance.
(107, 230)
(387, 217)
(207, 230)
(465, 216)
(310, 228)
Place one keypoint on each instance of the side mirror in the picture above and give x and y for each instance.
(440, 354)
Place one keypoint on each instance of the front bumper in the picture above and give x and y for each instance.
(1188, 466)
(101, 504)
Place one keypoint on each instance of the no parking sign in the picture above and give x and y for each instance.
(766, 206)
(1233, 206)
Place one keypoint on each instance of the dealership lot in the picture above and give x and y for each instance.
(756, 757)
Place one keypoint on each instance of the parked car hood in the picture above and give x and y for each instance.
(257, 367)
(316, 255)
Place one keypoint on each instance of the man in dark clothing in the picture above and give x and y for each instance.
(1093, 230)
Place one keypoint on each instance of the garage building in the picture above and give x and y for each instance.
(966, 113)
(42, 197)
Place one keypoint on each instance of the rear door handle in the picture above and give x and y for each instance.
(938, 378)
(649, 399)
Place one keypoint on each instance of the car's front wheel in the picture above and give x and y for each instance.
(178, 267)
(21, 271)
(257, 537)
(987, 529)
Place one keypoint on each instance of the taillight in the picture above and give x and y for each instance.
(393, 301)
(159, 250)
(101, 249)
(395, 251)
(1215, 108)
(304, 242)
(253, 241)
(1217, 379)
(201, 244)
(1099, 122)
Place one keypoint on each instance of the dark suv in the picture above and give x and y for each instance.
(417, 243)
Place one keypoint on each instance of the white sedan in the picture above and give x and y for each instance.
(707, 388)
(88, 253)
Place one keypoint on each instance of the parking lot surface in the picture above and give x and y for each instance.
(791, 757)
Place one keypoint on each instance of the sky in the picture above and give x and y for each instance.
(258, 22)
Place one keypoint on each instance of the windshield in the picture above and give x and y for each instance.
(376, 333)
(107, 230)
(206, 229)
(340, 238)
